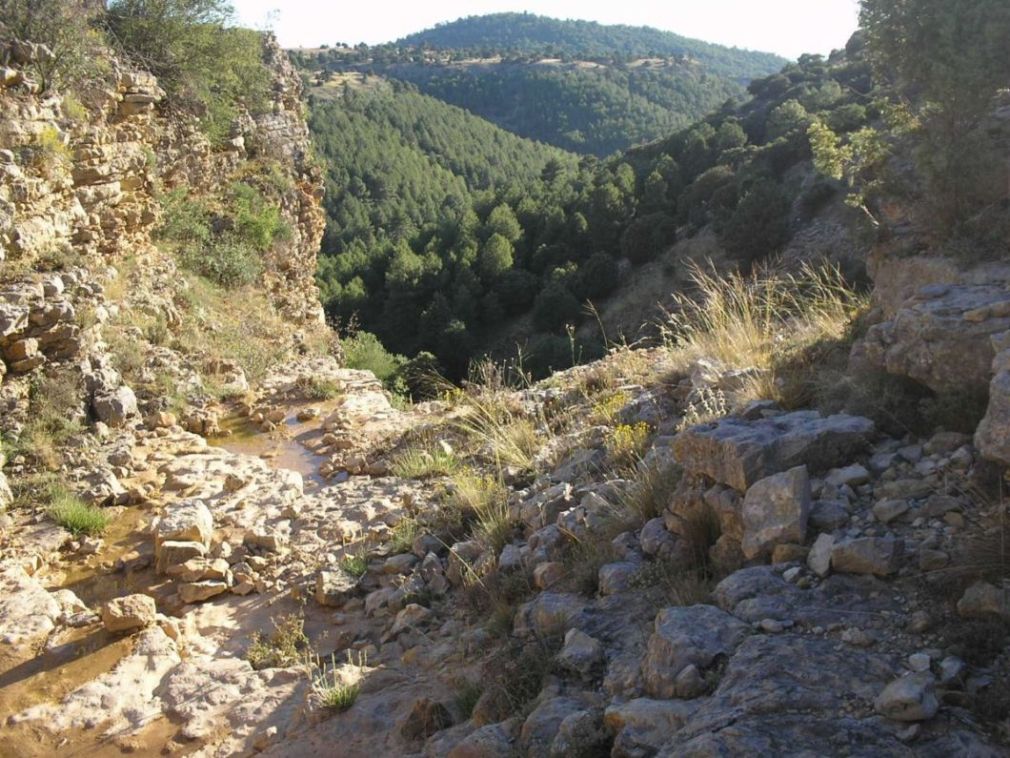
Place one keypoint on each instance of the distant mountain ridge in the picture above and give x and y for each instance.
(577, 85)
(532, 34)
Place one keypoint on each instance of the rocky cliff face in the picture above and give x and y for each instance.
(82, 180)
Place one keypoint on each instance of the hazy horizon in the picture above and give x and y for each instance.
(787, 27)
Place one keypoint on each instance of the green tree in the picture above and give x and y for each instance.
(503, 222)
(949, 59)
(62, 26)
(495, 257)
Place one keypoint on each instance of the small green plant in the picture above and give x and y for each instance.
(285, 646)
(48, 151)
(418, 463)
(355, 564)
(317, 388)
(74, 515)
(403, 535)
(336, 693)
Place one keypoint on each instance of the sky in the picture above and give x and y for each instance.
(787, 27)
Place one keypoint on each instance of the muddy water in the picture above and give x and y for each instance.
(289, 446)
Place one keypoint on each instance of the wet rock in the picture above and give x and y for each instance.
(685, 636)
(739, 453)
(910, 698)
(867, 555)
(125, 614)
(775, 511)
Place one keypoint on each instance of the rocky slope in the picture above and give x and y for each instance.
(577, 568)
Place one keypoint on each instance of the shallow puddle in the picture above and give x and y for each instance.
(288, 446)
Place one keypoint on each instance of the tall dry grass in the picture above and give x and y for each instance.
(780, 323)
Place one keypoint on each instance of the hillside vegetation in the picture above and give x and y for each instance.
(541, 238)
(577, 85)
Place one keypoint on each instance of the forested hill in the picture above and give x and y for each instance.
(529, 34)
(577, 85)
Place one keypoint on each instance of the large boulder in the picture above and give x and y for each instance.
(115, 407)
(940, 337)
(775, 512)
(739, 452)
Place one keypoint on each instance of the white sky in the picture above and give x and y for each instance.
(786, 27)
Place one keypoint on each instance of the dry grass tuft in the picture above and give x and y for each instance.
(780, 323)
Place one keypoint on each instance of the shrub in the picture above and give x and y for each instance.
(555, 307)
(197, 55)
(354, 564)
(650, 490)
(74, 515)
(285, 646)
(317, 388)
(486, 498)
(418, 463)
(227, 261)
(760, 224)
(332, 685)
(647, 237)
(363, 350)
(626, 443)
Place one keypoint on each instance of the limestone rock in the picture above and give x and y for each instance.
(115, 407)
(197, 592)
(687, 636)
(581, 653)
(867, 555)
(125, 614)
(910, 698)
(335, 587)
(819, 557)
(185, 521)
(992, 437)
(775, 511)
(983, 599)
(739, 453)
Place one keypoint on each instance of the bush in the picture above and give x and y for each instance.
(285, 646)
(197, 55)
(647, 237)
(760, 224)
(226, 261)
(364, 351)
(63, 27)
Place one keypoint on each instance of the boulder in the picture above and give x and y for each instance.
(982, 600)
(819, 557)
(185, 521)
(940, 337)
(335, 587)
(867, 555)
(910, 698)
(992, 438)
(681, 637)
(738, 452)
(124, 614)
(775, 512)
(115, 407)
(581, 654)
(547, 614)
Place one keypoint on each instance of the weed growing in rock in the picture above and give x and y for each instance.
(335, 692)
(484, 499)
(355, 565)
(73, 514)
(418, 463)
(467, 694)
(403, 535)
(55, 413)
(285, 646)
(606, 408)
(626, 443)
(315, 388)
(650, 489)
(708, 405)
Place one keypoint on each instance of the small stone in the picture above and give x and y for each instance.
(919, 622)
(772, 626)
(910, 698)
(819, 557)
(919, 662)
(581, 653)
(983, 599)
(857, 637)
(885, 511)
(791, 574)
(334, 588)
(932, 560)
(952, 670)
